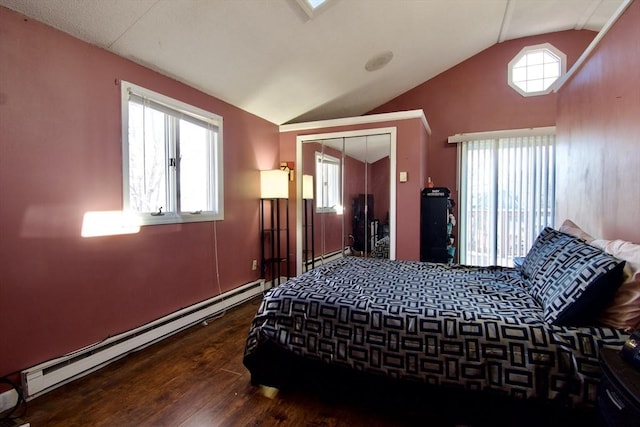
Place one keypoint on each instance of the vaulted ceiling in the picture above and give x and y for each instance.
(272, 59)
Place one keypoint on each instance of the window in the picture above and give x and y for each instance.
(327, 183)
(535, 69)
(507, 196)
(312, 7)
(315, 3)
(172, 159)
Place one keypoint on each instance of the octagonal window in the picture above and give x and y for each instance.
(535, 69)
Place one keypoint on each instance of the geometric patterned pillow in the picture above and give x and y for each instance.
(541, 252)
(572, 280)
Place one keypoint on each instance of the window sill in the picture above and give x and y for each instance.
(173, 218)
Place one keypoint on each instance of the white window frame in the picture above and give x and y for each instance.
(531, 49)
(328, 188)
(171, 215)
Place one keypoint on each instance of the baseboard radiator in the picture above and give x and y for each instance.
(332, 256)
(56, 372)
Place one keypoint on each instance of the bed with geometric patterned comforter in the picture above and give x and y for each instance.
(475, 327)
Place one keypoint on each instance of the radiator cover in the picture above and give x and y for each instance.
(46, 376)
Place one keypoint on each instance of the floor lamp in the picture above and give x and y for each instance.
(307, 196)
(274, 187)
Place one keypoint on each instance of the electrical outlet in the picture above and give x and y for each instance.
(254, 264)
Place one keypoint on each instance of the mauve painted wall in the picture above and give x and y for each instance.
(354, 184)
(411, 156)
(474, 96)
(379, 183)
(599, 136)
(60, 141)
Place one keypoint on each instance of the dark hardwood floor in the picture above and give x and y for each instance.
(196, 378)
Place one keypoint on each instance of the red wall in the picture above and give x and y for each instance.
(474, 96)
(60, 143)
(599, 136)
(354, 184)
(379, 182)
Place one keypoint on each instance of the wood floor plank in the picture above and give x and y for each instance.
(196, 378)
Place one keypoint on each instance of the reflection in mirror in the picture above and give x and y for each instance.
(308, 222)
(350, 210)
(323, 161)
(367, 192)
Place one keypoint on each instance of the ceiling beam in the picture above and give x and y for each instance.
(506, 20)
(592, 46)
(595, 4)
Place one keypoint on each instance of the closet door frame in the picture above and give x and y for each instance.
(392, 131)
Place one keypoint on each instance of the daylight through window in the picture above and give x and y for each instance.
(172, 159)
(535, 69)
(507, 195)
(327, 183)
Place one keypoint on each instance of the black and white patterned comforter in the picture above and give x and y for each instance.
(475, 327)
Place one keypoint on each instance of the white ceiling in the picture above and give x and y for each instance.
(267, 57)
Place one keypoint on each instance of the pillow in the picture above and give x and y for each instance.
(627, 251)
(571, 228)
(623, 312)
(517, 262)
(572, 280)
(540, 254)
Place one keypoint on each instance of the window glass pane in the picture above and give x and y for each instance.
(522, 62)
(173, 158)
(479, 185)
(321, 182)
(552, 70)
(333, 186)
(549, 82)
(315, 3)
(534, 85)
(327, 182)
(522, 85)
(507, 197)
(535, 72)
(550, 58)
(519, 74)
(535, 58)
(531, 68)
(195, 174)
(147, 159)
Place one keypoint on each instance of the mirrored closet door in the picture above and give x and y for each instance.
(352, 209)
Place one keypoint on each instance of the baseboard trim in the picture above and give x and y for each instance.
(51, 374)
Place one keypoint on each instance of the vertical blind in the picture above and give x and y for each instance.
(507, 195)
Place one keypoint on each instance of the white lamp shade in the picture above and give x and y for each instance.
(307, 187)
(274, 184)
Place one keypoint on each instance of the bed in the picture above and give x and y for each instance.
(381, 248)
(527, 332)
